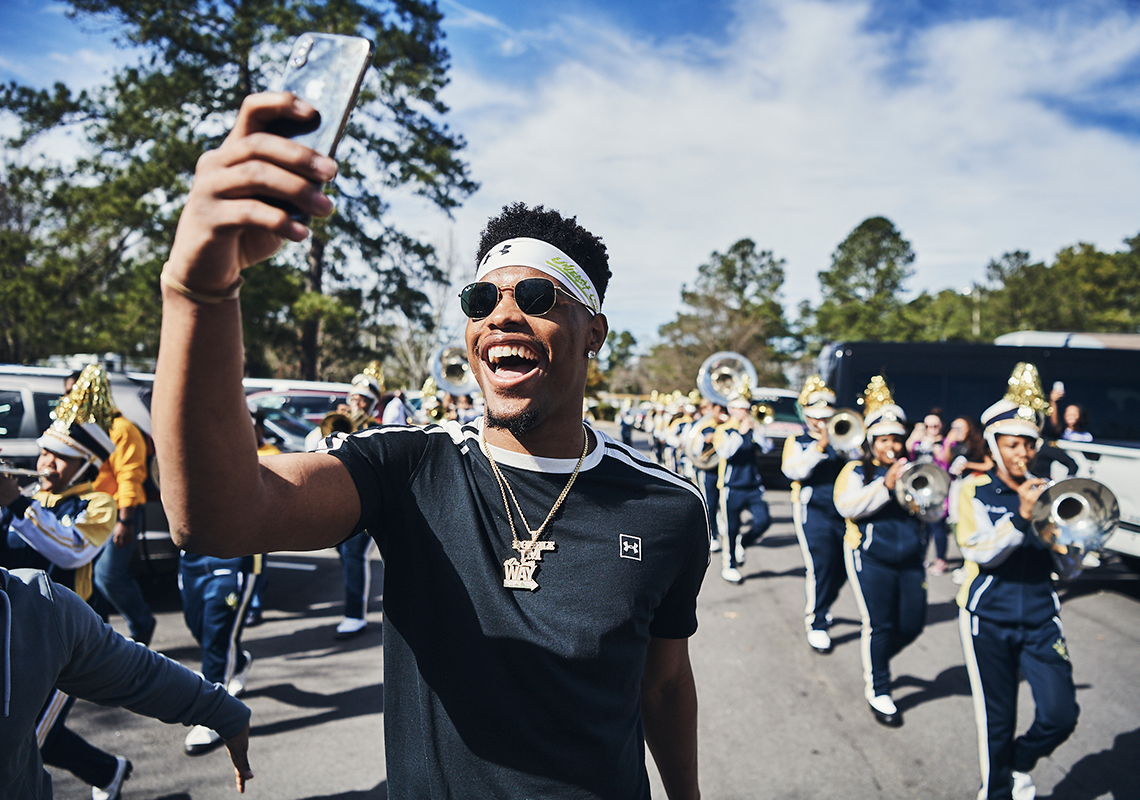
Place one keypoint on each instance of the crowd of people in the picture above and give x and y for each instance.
(535, 565)
(852, 527)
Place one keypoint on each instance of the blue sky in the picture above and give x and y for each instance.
(674, 128)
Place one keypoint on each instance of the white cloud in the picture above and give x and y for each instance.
(796, 131)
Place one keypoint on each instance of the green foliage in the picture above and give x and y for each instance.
(621, 362)
(862, 291)
(102, 226)
(736, 305)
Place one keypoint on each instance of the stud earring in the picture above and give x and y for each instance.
(591, 353)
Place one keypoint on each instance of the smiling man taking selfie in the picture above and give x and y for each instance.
(540, 578)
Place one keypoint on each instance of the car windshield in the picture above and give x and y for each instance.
(288, 423)
(783, 408)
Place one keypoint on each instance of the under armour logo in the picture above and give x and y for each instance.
(506, 249)
(630, 547)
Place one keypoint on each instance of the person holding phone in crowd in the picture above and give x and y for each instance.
(558, 567)
(924, 446)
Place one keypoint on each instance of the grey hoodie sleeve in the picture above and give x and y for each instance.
(108, 669)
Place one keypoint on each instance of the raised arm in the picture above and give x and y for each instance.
(217, 496)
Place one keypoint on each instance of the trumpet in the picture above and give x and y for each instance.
(845, 429)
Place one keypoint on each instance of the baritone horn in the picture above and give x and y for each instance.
(845, 429)
(720, 376)
(451, 371)
(724, 374)
(1075, 514)
(922, 490)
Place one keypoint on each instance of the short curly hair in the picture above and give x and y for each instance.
(516, 220)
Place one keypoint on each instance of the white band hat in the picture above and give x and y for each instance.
(84, 440)
(545, 257)
(886, 420)
(1006, 418)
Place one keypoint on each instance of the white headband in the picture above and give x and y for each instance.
(545, 257)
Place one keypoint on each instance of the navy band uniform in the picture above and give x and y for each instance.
(1009, 616)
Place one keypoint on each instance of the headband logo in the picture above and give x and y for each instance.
(572, 274)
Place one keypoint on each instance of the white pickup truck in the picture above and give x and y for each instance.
(1117, 466)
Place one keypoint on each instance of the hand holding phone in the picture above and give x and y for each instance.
(326, 71)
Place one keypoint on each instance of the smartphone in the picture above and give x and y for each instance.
(326, 71)
(1058, 387)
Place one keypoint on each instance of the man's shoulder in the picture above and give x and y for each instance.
(616, 455)
(396, 435)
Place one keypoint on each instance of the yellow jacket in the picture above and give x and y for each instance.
(124, 471)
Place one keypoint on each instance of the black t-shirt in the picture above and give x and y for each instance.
(494, 692)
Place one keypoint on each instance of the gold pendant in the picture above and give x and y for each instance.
(519, 574)
(532, 550)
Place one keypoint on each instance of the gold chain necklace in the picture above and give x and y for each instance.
(518, 573)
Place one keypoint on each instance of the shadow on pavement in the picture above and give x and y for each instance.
(1113, 773)
(356, 702)
(948, 683)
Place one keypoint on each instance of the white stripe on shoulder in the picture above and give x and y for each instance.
(337, 440)
(633, 458)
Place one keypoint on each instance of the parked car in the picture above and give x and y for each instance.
(28, 397)
(308, 400)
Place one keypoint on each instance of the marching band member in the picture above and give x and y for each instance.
(711, 416)
(60, 531)
(1009, 617)
(739, 483)
(675, 439)
(885, 549)
(812, 464)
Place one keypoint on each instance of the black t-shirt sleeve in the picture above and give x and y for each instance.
(676, 616)
(381, 462)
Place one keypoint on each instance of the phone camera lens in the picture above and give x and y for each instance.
(301, 52)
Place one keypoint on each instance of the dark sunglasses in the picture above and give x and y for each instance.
(533, 296)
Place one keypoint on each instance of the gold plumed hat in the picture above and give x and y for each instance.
(880, 412)
(88, 401)
(742, 397)
(1023, 408)
(816, 399)
(374, 370)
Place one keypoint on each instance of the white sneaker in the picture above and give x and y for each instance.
(349, 627)
(1023, 788)
(714, 546)
(883, 707)
(819, 640)
(884, 704)
(236, 686)
(741, 553)
(732, 575)
(113, 789)
(201, 739)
